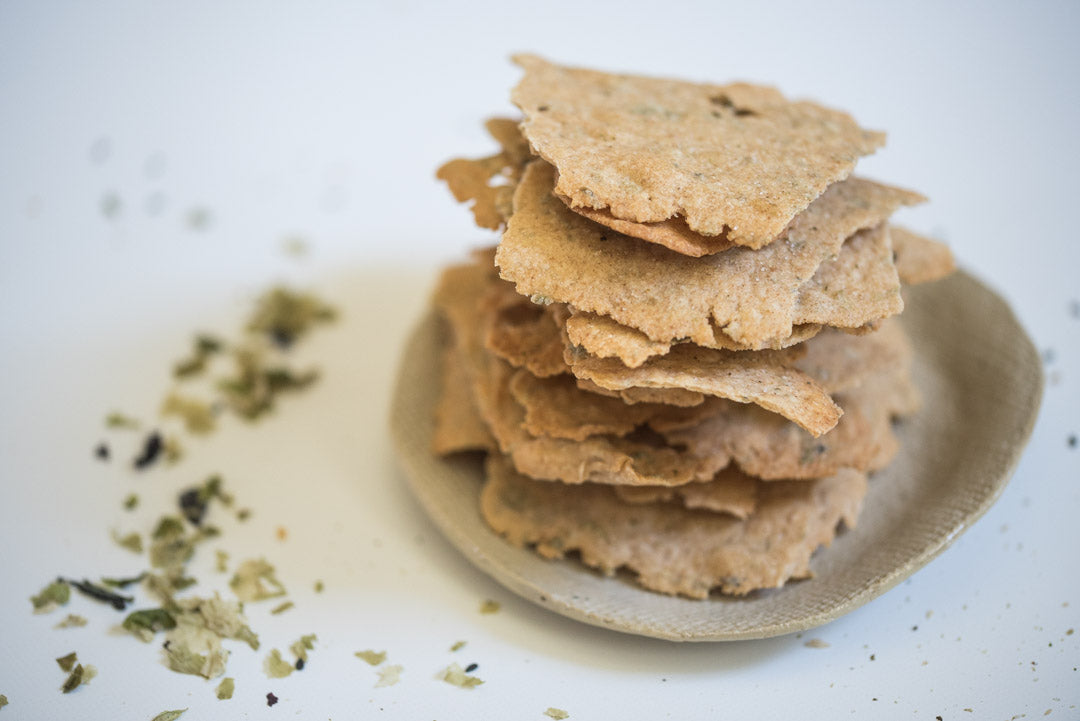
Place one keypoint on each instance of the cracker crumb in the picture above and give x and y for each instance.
(816, 643)
(489, 606)
(556, 713)
(388, 676)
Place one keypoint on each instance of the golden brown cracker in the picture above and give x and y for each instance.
(920, 259)
(671, 549)
(736, 159)
(521, 332)
(731, 492)
(488, 183)
(765, 378)
(753, 297)
(840, 361)
(679, 397)
(458, 425)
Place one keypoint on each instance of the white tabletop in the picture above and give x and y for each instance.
(155, 158)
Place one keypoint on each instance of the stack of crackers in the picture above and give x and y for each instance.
(682, 358)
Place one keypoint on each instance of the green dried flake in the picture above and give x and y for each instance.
(120, 420)
(221, 562)
(285, 316)
(203, 348)
(147, 622)
(458, 645)
(252, 392)
(222, 618)
(131, 502)
(165, 585)
(67, 663)
(301, 647)
(172, 451)
(556, 713)
(489, 607)
(198, 416)
(373, 658)
(72, 621)
(170, 546)
(243, 514)
(282, 608)
(388, 676)
(169, 715)
(254, 580)
(319, 587)
(455, 676)
(123, 582)
(225, 688)
(194, 650)
(79, 675)
(57, 593)
(277, 667)
(132, 541)
(3, 700)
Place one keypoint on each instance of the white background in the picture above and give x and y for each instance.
(326, 121)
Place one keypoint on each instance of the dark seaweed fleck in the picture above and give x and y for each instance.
(101, 594)
(471, 667)
(1072, 440)
(299, 664)
(102, 452)
(193, 506)
(151, 451)
(271, 699)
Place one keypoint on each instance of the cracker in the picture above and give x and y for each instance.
(920, 259)
(458, 425)
(765, 378)
(679, 397)
(521, 332)
(671, 549)
(731, 492)
(650, 149)
(753, 297)
(488, 183)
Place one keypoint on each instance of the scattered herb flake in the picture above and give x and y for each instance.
(254, 580)
(3, 700)
(388, 675)
(204, 347)
(172, 451)
(123, 582)
(170, 546)
(374, 658)
(79, 675)
(147, 622)
(285, 315)
(152, 447)
(282, 608)
(119, 420)
(556, 713)
(1072, 441)
(132, 541)
(101, 594)
(199, 218)
(225, 688)
(275, 666)
(243, 514)
(220, 617)
(489, 606)
(816, 643)
(55, 594)
(198, 416)
(456, 676)
(319, 587)
(102, 452)
(169, 715)
(271, 699)
(72, 621)
(301, 647)
(67, 663)
(458, 645)
(131, 502)
(195, 650)
(221, 564)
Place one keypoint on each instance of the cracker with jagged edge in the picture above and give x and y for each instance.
(920, 259)
(738, 160)
(672, 549)
(732, 491)
(458, 425)
(679, 397)
(753, 297)
(766, 378)
(521, 332)
(489, 182)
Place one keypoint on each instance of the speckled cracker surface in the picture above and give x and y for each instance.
(672, 549)
(736, 159)
(753, 297)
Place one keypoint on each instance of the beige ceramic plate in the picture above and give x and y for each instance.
(982, 382)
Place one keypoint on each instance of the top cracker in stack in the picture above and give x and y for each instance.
(680, 356)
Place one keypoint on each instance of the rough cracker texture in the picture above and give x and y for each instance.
(679, 397)
(488, 183)
(753, 297)
(735, 159)
(765, 378)
(841, 361)
(731, 492)
(458, 425)
(521, 332)
(671, 549)
(920, 259)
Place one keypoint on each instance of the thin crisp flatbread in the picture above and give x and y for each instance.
(488, 183)
(920, 259)
(732, 491)
(672, 549)
(753, 297)
(736, 160)
(458, 425)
